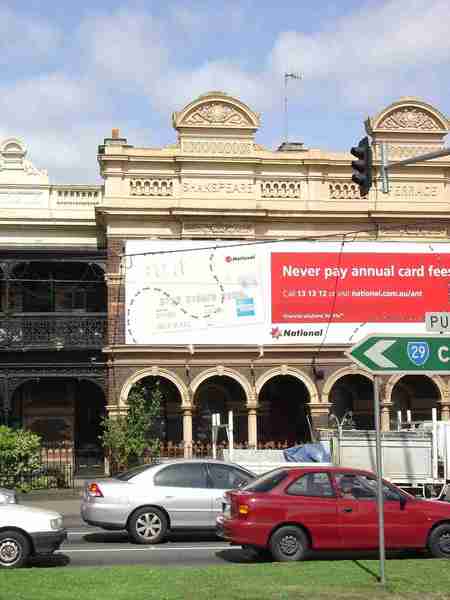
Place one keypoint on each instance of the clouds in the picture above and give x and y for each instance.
(64, 90)
(370, 54)
(22, 37)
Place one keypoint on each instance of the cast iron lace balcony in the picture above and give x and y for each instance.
(58, 332)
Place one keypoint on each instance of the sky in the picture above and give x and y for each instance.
(72, 71)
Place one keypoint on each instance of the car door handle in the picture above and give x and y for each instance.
(168, 497)
(347, 510)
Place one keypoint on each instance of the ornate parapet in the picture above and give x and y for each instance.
(343, 191)
(280, 189)
(151, 187)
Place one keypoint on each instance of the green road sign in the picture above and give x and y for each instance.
(403, 353)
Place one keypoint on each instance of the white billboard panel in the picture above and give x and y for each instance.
(203, 292)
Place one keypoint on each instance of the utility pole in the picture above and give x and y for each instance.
(286, 125)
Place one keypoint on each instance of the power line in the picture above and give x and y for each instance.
(239, 244)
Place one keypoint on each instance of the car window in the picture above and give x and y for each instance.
(224, 477)
(184, 475)
(312, 484)
(363, 487)
(266, 482)
(127, 475)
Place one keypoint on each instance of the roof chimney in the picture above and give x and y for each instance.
(115, 134)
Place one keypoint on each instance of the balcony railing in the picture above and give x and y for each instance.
(56, 332)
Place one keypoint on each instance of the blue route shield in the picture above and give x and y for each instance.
(418, 352)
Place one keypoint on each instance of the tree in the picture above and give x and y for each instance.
(114, 439)
(131, 437)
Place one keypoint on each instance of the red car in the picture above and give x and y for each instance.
(292, 510)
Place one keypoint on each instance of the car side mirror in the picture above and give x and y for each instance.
(403, 501)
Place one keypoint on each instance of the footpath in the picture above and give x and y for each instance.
(66, 502)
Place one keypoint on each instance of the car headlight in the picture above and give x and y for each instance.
(7, 499)
(56, 523)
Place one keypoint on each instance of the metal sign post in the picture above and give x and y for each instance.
(230, 434)
(380, 499)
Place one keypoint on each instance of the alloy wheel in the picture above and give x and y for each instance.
(10, 551)
(148, 525)
(288, 545)
(444, 543)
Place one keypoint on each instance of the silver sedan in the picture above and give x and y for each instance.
(150, 500)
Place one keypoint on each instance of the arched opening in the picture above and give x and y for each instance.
(284, 415)
(2, 293)
(219, 394)
(90, 408)
(170, 409)
(62, 411)
(353, 393)
(416, 393)
(47, 407)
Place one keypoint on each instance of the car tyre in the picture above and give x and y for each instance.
(14, 549)
(288, 543)
(148, 525)
(439, 541)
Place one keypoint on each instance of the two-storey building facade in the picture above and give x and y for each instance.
(53, 307)
(239, 276)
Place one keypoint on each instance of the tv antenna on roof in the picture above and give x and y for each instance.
(286, 77)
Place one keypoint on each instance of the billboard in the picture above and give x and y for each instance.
(205, 292)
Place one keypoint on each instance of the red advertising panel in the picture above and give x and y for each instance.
(357, 287)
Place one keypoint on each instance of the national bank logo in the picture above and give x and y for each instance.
(230, 259)
(289, 332)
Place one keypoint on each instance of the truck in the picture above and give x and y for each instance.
(416, 456)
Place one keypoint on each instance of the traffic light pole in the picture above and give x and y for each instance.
(407, 161)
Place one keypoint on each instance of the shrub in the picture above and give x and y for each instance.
(19, 456)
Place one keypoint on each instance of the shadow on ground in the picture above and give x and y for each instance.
(121, 537)
(48, 561)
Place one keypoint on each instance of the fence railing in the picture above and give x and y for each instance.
(204, 450)
(54, 468)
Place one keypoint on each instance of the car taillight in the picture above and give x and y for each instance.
(94, 490)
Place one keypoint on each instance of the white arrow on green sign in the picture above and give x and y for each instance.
(392, 353)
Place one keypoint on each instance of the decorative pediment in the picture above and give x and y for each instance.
(409, 115)
(410, 118)
(12, 159)
(218, 111)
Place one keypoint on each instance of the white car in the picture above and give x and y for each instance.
(28, 531)
(7, 496)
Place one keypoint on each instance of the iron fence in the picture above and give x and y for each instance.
(53, 468)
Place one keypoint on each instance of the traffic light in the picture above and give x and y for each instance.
(362, 168)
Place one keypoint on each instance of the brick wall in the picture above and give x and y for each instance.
(116, 292)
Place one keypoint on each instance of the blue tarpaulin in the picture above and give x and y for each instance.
(307, 453)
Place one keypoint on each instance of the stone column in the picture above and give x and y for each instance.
(252, 426)
(319, 414)
(444, 402)
(385, 417)
(187, 431)
(445, 411)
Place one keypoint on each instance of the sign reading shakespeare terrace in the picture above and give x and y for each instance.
(403, 353)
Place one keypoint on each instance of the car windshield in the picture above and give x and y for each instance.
(127, 475)
(266, 482)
